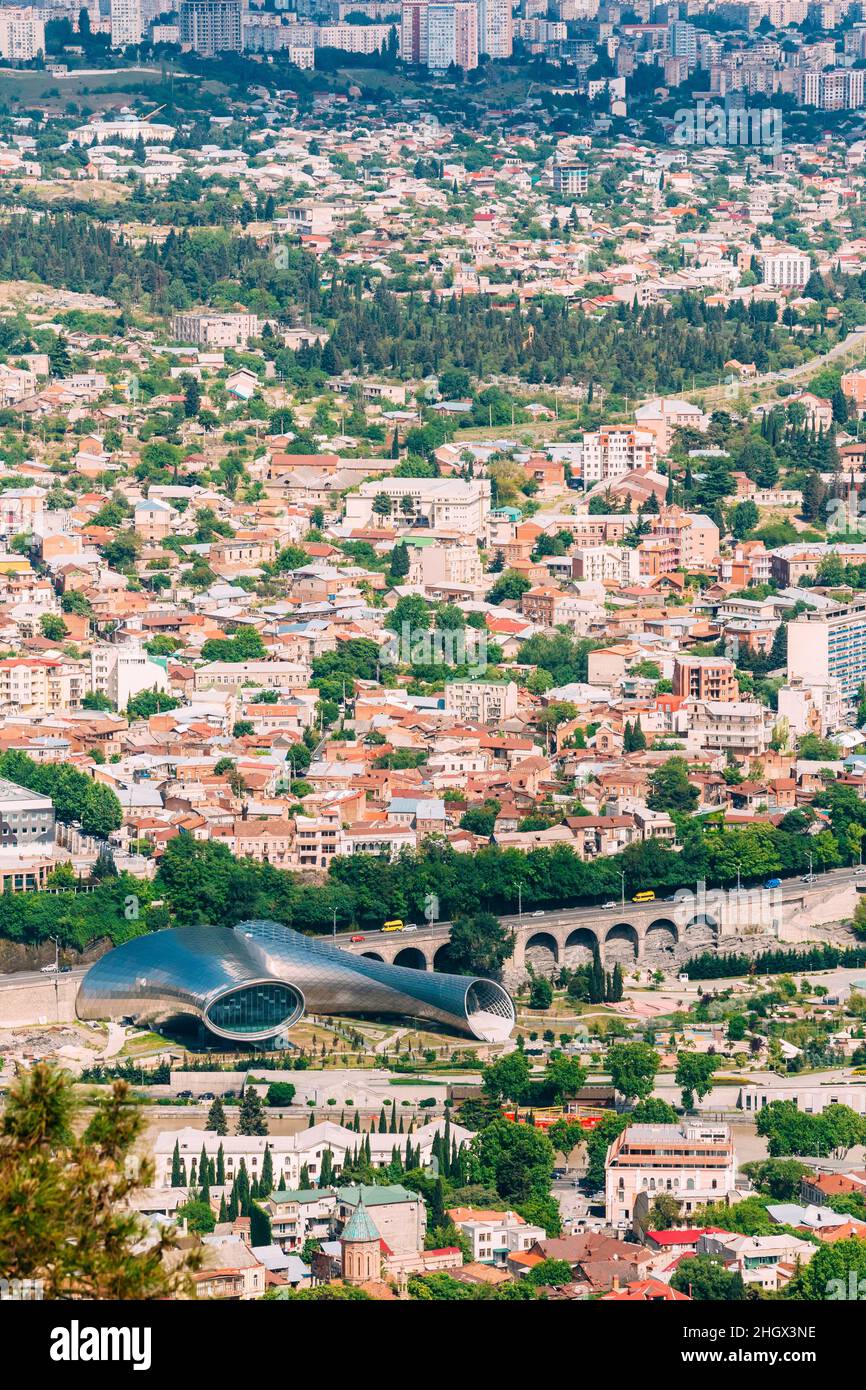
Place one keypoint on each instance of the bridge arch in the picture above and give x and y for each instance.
(372, 955)
(442, 959)
(412, 958)
(661, 936)
(542, 953)
(579, 947)
(621, 944)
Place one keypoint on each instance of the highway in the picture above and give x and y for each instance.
(793, 891)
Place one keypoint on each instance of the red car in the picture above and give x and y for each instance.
(357, 938)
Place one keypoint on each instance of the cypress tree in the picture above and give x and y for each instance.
(220, 1167)
(266, 1181)
(175, 1165)
(383, 1123)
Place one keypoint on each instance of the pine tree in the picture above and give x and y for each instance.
(326, 1173)
(251, 1117)
(216, 1117)
(266, 1180)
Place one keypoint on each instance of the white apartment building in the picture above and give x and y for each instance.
(40, 685)
(741, 727)
(22, 33)
(495, 28)
(494, 1235)
(829, 646)
(481, 702)
(126, 23)
(121, 672)
(785, 268)
(205, 328)
(452, 35)
(446, 504)
(611, 452)
(445, 563)
(354, 38)
(289, 1152)
(693, 1162)
(270, 675)
(601, 563)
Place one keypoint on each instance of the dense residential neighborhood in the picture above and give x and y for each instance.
(433, 658)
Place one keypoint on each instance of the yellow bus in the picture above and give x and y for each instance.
(396, 925)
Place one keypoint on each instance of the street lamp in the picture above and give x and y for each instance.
(622, 882)
(520, 899)
(738, 875)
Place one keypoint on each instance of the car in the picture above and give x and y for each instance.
(357, 938)
(411, 926)
(539, 913)
(861, 869)
(773, 883)
(611, 904)
(49, 969)
(648, 896)
(65, 969)
(809, 878)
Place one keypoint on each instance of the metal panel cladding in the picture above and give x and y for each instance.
(255, 981)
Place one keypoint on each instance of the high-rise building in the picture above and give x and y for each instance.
(495, 28)
(570, 177)
(211, 26)
(126, 23)
(452, 35)
(829, 646)
(413, 32)
(22, 33)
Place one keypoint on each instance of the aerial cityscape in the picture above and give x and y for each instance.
(433, 657)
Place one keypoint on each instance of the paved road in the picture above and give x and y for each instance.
(792, 891)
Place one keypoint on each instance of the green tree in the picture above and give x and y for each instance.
(67, 1216)
(705, 1279)
(671, 790)
(694, 1073)
(632, 1068)
(479, 945)
(251, 1116)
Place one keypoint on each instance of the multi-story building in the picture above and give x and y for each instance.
(693, 1162)
(742, 728)
(211, 26)
(612, 451)
(785, 268)
(619, 563)
(40, 685)
(495, 28)
(206, 328)
(494, 1235)
(570, 177)
(446, 504)
(126, 23)
(705, 678)
(413, 32)
(452, 35)
(825, 646)
(289, 1152)
(26, 818)
(354, 38)
(481, 702)
(22, 33)
(123, 671)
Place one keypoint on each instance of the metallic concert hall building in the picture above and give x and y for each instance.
(253, 982)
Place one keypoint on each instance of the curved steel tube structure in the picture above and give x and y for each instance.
(254, 982)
